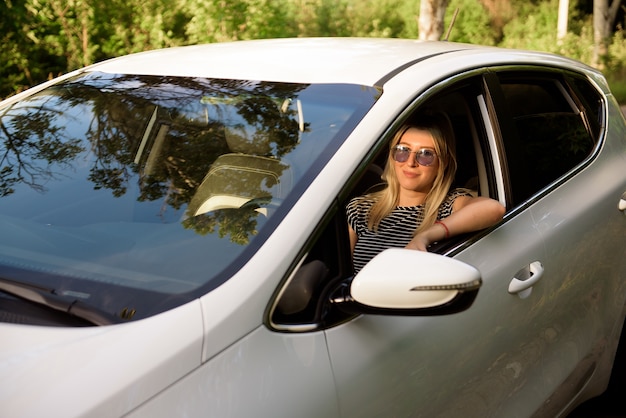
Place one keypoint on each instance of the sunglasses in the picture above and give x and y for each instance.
(424, 156)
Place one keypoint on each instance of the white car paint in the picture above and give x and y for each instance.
(96, 371)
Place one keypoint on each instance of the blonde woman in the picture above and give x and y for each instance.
(417, 207)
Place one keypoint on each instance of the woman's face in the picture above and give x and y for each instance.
(410, 174)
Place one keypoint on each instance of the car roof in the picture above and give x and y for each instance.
(305, 60)
(364, 61)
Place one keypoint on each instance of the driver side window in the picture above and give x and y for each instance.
(303, 304)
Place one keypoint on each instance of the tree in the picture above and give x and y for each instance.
(500, 13)
(603, 20)
(561, 30)
(25, 56)
(430, 20)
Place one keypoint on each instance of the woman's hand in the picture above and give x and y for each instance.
(470, 214)
(421, 241)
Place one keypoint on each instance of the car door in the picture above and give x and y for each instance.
(485, 361)
(573, 188)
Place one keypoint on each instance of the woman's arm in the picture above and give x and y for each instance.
(353, 239)
(469, 214)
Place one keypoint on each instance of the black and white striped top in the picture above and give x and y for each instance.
(394, 231)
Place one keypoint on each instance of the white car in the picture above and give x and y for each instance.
(173, 240)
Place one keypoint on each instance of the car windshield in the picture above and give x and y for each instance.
(128, 190)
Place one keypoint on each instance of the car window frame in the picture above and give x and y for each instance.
(502, 122)
(494, 119)
(336, 216)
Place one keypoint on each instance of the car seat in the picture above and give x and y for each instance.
(249, 173)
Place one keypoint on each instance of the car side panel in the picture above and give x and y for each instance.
(486, 361)
(585, 268)
(265, 374)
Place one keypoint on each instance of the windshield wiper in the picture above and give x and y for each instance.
(48, 297)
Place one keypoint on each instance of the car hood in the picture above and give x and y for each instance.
(96, 370)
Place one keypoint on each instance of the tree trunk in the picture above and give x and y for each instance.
(500, 13)
(603, 20)
(563, 17)
(430, 22)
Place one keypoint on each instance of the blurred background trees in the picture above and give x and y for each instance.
(44, 38)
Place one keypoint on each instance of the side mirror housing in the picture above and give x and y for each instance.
(408, 282)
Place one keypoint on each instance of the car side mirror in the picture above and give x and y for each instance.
(408, 282)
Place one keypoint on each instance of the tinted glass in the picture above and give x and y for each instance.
(125, 190)
(553, 135)
(591, 103)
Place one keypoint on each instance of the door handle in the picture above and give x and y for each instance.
(525, 279)
(622, 203)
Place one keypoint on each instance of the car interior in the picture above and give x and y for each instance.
(303, 304)
(247, 174)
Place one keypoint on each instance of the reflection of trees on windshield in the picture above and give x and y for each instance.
(161, 132)
(32, 144)
(239, 224)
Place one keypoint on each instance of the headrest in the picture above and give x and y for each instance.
(248, 141)
(235, 179)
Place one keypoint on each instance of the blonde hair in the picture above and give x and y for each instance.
(387, 199)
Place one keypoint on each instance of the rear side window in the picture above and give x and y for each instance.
(553, 129)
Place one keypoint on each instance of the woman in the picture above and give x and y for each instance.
(417, 207)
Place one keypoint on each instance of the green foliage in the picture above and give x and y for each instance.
(43, 38)
(618, 86)
(365, 18)
(617, 75)
(231, 20)
(472, 23)
(534, 26)
(25, 59)
(376, 18)
(121, 27)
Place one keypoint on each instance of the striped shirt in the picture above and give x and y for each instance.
(394, 231)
